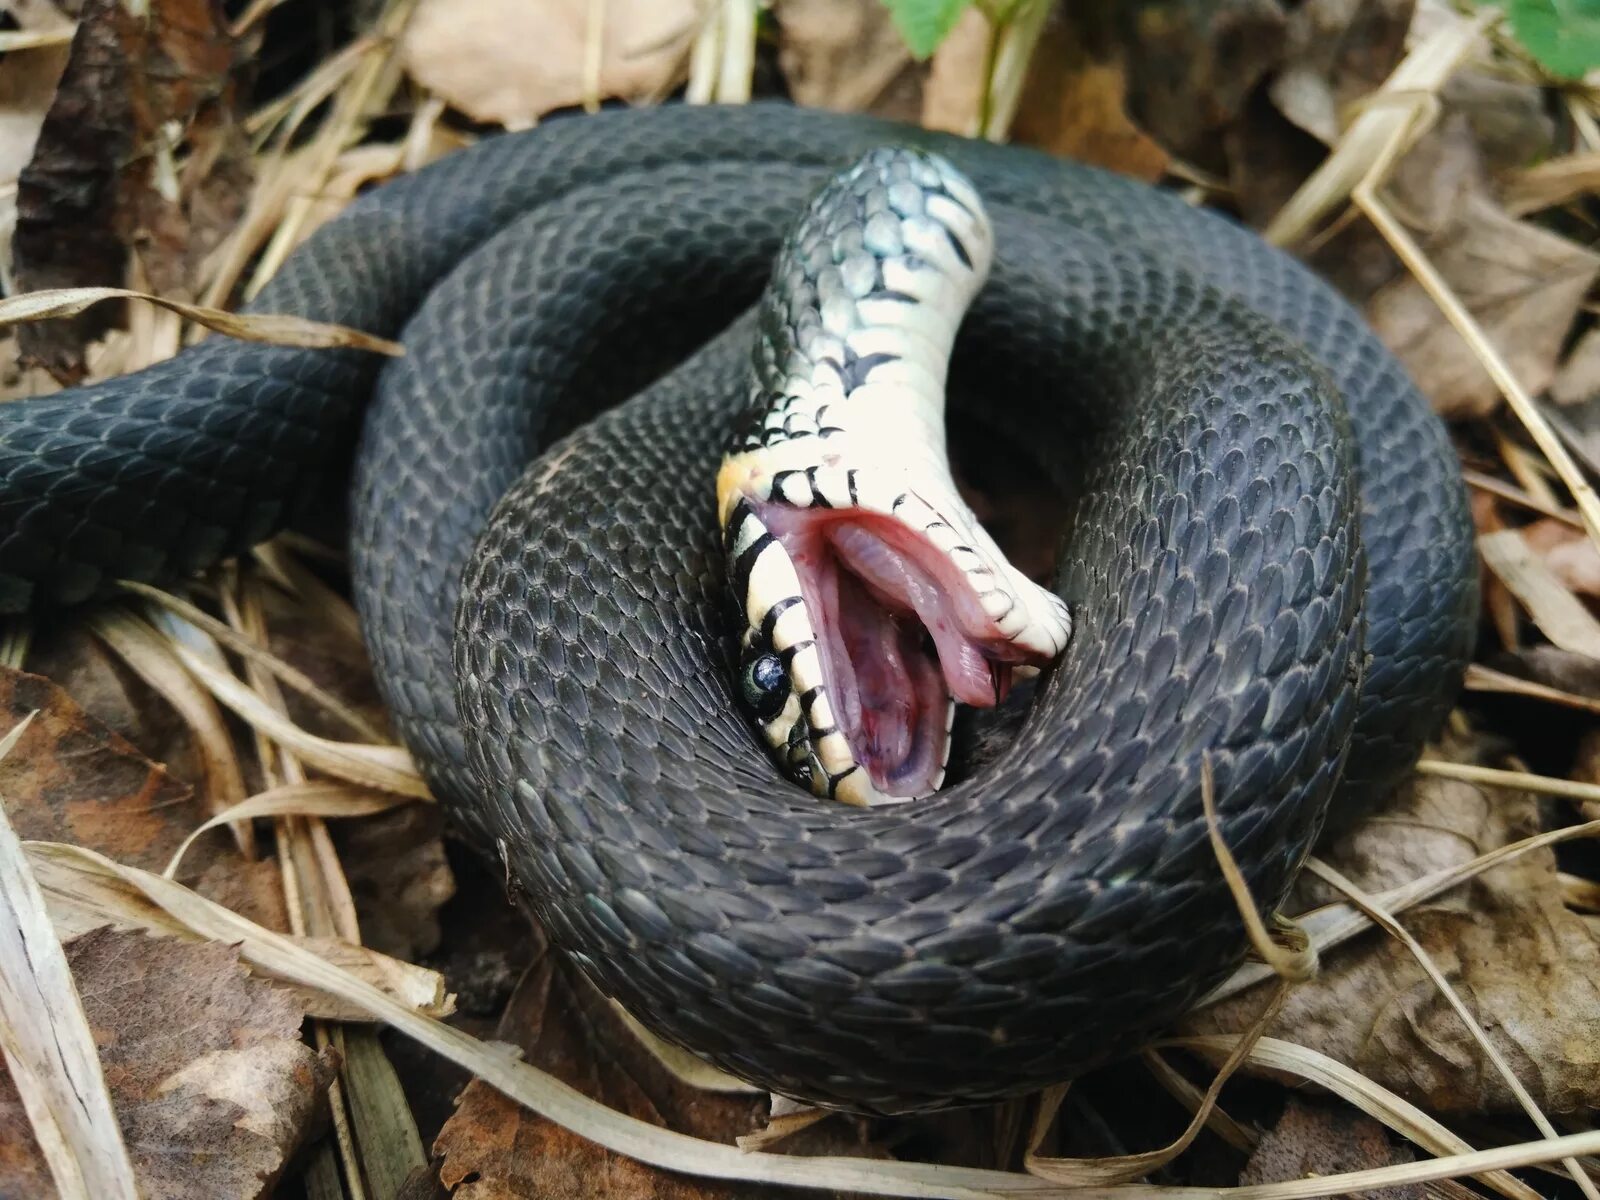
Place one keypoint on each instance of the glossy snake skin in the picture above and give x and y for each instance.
(1268, 563)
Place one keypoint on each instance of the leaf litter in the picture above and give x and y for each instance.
(1290, 113)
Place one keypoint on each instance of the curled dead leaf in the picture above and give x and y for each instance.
(103, 177)
(212, 1107)
(1525, 965)
(1523, 284)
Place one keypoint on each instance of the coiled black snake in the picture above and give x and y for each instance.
(1268, 562)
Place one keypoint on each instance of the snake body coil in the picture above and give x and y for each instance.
(1268, 565)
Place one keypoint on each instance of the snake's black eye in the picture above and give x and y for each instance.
(765, 685)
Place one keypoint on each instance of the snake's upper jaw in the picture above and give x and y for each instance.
(883, 615)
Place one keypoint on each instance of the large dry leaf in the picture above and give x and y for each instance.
(213, 1087)
(399, 877)
(1337, 52)
(1074, 105)
(1568, 553)
(493, 1150)
(1578, 381)
(1193, 67)
(93, 189)
(1527, 967)
(510, 62)
(1522, 283)
(73, 779)
(1312, 1139)
(839, 54)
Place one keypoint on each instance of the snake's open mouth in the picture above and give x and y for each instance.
(901, 633)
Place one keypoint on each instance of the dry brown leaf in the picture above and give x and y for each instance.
(840, 54)
(1560, 615)
(953, 93)
(102, 684)
(493, 1150)
(398, 874)
(1578, 380)
(1527, 968)
(1193, 67)
(511, 62)
(72, 779)
(213, 1087)
(1337, 51)
(1511, 119)
(1523, 284)
(1075, 106)
(1569, 554)
(27, 85)
(1312, 1139)
(103, 179)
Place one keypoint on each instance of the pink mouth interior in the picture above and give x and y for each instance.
(900, 631)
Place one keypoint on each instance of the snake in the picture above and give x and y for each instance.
(1265, 580)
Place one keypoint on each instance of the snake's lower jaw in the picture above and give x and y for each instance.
(881, 631)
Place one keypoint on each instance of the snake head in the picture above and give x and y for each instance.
(872, 600)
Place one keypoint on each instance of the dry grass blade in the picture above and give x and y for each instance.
(328, 605)
(738, 61)
(1385, 921)
(1187, 1094)
(1522, 499)
(16, 635)
(273, 328)
(366, 1099)
(1012, 43)
(367, 86)
(1545, 785)
(283, 958)
(33, 39)
(684, 1066)
(1354, 1088)
(247, 649)
(1485, 679)
(45, 1035)
(660, 1147)
(1293, 966)
(1560, 615)
(1394, 113)
(1554, 182)
(1366, 198)
(310, 799)
(81, 900)
(386, 768)
(1126, 1167)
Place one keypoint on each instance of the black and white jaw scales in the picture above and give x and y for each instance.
(873, 599)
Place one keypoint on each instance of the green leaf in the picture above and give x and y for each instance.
(925, 23)
(1564, 35)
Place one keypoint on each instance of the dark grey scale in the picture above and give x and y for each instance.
(583, 711)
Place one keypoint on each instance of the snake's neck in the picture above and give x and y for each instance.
(873, 599)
